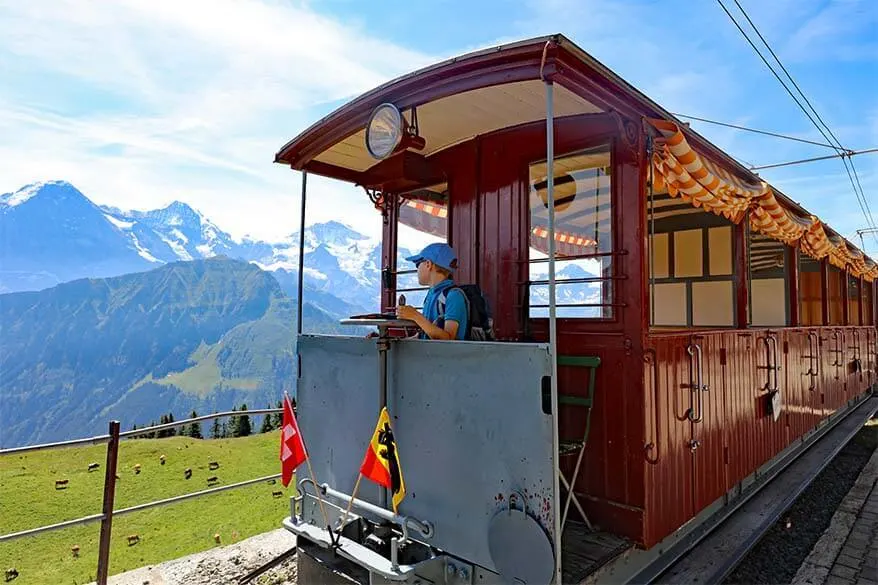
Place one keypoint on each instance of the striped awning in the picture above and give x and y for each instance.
(687, 174)
(694, 178)
(431, 218)
(566, 244)
(769, 217)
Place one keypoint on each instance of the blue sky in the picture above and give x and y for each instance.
(140, 102)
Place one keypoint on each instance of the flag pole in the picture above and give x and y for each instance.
(313, 477)
(319, 498)
(351, 503)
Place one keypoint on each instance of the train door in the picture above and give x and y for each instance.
(838, 375)
(871, 353)
(707, 443)
(796, 378)
(856, 364)
(769, 396)
(813, 385)
(741, 388)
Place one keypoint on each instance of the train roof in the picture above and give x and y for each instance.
(501, 87)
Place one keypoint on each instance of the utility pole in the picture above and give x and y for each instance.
(865, 231)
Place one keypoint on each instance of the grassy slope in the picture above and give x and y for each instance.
(28, 499)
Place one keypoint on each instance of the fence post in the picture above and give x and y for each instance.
(109, 496)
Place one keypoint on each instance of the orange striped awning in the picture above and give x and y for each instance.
(687, 174)
(769, 217)
(815, 242)
(567, 244)
(695, 179)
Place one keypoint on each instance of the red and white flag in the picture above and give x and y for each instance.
(292, 448)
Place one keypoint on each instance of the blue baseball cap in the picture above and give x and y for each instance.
(439, 254)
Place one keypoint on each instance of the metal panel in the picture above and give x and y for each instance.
(467, 419)
(337, 399)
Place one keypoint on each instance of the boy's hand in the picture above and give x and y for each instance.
(407, 312)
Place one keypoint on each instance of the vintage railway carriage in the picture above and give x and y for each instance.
(705, 324)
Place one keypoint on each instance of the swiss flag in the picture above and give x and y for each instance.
(292, 448)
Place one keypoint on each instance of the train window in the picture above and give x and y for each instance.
(691, 265)
(768, 281)
(836, 296)
(423, 219)
(810, 292)
(853, 300)
(583, 236)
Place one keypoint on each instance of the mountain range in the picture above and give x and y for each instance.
(51, 233)
(107, 313)
(203, 334)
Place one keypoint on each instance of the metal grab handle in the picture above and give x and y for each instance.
(856, 348)
(770, 362)
(813, 358)
(837, 347)
(699, 387)
(772, 366)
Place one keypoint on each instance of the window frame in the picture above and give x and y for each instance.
(391, 284)
(611, 142)
(706, 276)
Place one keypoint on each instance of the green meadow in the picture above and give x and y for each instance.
(28, 499)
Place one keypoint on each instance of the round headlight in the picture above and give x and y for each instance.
(384, 131)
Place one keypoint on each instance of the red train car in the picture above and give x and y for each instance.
(729, 322)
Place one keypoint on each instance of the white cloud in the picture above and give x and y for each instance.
(140, 102)
(201, 95)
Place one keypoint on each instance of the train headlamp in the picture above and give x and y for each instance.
(384, 131)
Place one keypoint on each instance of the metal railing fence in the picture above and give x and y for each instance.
(113, 438)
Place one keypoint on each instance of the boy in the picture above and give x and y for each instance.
(435, 265)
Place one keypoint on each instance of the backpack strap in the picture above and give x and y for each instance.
(443, 297)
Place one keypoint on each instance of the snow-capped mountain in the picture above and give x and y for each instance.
(337, 260)
(50, 233)
(176, 232)
(567, 294)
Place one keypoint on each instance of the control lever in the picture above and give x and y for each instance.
(401, 300)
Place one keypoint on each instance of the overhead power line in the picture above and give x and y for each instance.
(840, 149)
(816, 158)
(796, 85)
(755, 131)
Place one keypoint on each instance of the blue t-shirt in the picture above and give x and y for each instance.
(455, 306)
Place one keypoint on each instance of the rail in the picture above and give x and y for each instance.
(112, 438)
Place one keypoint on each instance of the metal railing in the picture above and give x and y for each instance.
(112, 438)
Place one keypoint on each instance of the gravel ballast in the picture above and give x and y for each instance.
(222, 565)
(780, 553)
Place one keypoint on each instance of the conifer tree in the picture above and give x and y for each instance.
(215, 429)
(195, 428)
(232, 429)
(171, 432)
(160, 434)
(243, 428)
(267, 427)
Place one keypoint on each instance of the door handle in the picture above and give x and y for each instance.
(699, 386)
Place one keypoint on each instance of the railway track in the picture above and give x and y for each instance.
(711, 554)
